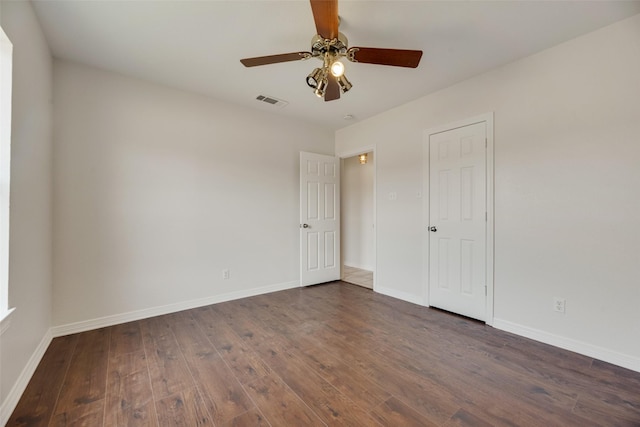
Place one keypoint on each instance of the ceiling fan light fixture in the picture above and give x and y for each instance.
(314, 78)
(322, 87)
(337, 69)
(345, 84)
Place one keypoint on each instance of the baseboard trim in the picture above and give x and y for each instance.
(12, 399)
(590, 350)
(404, 296)
(101, 322)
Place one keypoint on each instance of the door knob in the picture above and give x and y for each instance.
(305, 226)
(433, 228)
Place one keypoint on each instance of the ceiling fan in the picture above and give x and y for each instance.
(329, 45)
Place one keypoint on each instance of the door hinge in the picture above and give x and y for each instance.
(486, 216)
(485, 290)
(486, 143)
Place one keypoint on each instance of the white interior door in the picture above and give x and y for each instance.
(458, 220)
(319, 218)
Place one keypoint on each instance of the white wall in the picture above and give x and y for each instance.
(357, 213)
(567, 189)
(156, 191)
(30, 212)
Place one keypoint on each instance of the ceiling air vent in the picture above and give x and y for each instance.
(271, 100)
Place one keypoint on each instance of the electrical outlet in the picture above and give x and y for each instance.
(225, 273)
(393, 195)
(559, 304)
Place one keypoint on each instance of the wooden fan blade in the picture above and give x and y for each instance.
(325, 15)
(333, 89)
(274, 59)
(393, 57)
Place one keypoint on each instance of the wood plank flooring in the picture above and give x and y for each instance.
(333, 354)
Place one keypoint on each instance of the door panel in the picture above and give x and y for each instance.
(457, 210)
(329, 249)
(319, 219)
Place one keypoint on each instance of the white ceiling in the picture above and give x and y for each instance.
(197, 45)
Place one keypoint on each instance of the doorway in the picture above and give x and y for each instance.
(358, 218)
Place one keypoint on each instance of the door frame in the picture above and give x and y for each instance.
(352, 153)
(487, 118)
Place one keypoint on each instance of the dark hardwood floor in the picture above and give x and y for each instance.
(333, 354)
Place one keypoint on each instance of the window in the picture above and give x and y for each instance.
(6, 66)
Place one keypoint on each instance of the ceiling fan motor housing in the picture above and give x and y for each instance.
(336, 47)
